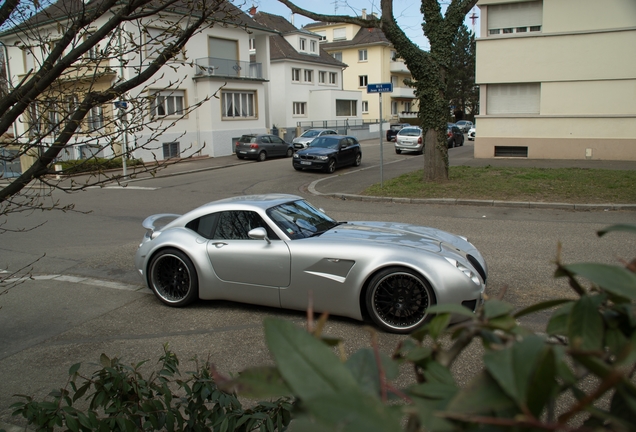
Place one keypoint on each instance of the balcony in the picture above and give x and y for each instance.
(398, 66)
(225, 68)
(403, 92)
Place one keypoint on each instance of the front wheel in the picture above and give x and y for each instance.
(331, 166)
(173, 278)
(398, 299)
(398, 151)
(290, 152)
(297, 168)
(358, 160)
(261, 156)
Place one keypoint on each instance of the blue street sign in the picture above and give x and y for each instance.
(121, 104)
(380, 88)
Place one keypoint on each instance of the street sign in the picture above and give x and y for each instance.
(380, 88)
(121, 104)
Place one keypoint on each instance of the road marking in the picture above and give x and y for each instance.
(80, 280)
(124, 187)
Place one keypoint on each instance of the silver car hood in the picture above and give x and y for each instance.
(396, 234)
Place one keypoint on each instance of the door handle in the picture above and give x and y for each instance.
(219, 245)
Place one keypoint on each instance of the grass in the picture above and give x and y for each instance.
(563, 185)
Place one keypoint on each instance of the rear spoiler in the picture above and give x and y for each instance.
(149, 222)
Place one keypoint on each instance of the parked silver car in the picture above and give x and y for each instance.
(409, 139)
(464, 125)
(278, 250)
(309, 135)
(471, 134)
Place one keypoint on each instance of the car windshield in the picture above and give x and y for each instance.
(310, 133)
(410, 132)
(247, 139)
(325, 142)
(299, 219)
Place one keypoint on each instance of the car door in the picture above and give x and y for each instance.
(346, 152)
(250, 270)
(279, 147)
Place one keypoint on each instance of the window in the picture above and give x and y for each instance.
(346, 107)
(300, 108)
(93, 52)
(235, 225)
(337, 55)
(333, 78)
(322, 34)
(322, 76)
(339, 33)
(521, 98)
(171, 150)
(394, 108)
(362, 55)
(509, 18)
(365, 107)
(224, 48)
(363, 80)
(309, 75)
(52, 116)
(167, 103)
(95, 119)
(393, 55)
(303, 44)
(312, 46)
(238, 104)
(70, 105)
(407, 107)
(295, 75)
(394, 81)
(252, 44)
(34, 120)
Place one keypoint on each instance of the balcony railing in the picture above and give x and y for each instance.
(212, 66)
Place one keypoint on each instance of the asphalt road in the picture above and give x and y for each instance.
(86, 298)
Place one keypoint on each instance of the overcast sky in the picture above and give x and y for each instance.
(407, 12)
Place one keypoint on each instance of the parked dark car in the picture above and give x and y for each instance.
(329, 152)
(454, 136)
(262, 146)
(394, 129)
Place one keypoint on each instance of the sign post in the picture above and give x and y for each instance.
(379, 89)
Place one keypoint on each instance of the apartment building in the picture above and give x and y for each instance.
(557, 79)
(371, 60)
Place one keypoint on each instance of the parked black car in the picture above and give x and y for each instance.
(455, 137)
(329, 152)
(262, 146)
(394, 129)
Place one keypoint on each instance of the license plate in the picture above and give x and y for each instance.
(305, 163)
(242, 152)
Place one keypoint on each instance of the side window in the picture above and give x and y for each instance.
(265, 139)
(234, 225)
(204, 225)
(276, 140)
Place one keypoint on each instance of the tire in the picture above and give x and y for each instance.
(397, 300)
(240, 156)
(358, 160)
(290, 153)
(173, 278)
(261, 156)
(331, 166)
(451, 144)
(398, 151)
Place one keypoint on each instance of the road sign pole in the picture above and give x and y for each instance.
(381, 146)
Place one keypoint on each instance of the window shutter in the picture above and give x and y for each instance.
(514, 98)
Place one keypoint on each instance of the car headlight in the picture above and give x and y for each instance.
(468, 272)
(323, 158)
(296, 156)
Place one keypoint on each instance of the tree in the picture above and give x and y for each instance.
(429, 69)
(462, 92)
(82, 56)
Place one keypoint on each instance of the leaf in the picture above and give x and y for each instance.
(438, 324)
(308, 366)
(614, 279)
(585, 325)
(496, 308)
(105, 361)
(541, 306)
(435, 372)
(73, 369)
(617, 227)
(259, 383)
(434, 390)
(541, 388)
(558, 324)
(363, 367)
(482, 396)
(451, 308)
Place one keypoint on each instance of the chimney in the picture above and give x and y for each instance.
(252, 10)
(364, 14)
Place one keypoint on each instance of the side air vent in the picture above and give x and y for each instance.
(511, 151)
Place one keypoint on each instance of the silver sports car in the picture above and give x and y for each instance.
(278, 250)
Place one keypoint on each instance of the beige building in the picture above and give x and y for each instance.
(557, 79)
(370, 59)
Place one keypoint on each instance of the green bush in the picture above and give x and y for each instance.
(79, 166)
(118, 398)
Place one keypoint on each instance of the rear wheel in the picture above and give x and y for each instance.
(397, 300)
(173, 278)
(290, 152)
(331, 166)
(358, 160)
(261, 156)
(240, 156)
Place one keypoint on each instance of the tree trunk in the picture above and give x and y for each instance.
(435, 157)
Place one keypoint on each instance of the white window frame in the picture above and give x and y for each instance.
(515, 18)
(519, 98)
(300, 109)
(308, 75)
(333, 78)
(238, 104)
(350, 104)
(313, 46)
(337, 55)
(95, 119)
(362, 55)
(302, 44)
(167, 103)
(365, 107)
(340, 33)
(322, 77)
(295, 75)
(363, 80)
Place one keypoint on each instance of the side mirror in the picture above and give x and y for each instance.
(258, 234)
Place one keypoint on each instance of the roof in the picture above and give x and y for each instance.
(280, 49)
(227, 13)
(365, 36)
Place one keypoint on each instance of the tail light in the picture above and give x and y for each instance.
(449, 133)
(253, 146)
(238, 143)
(419, 140)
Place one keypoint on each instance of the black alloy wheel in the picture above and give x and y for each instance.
(173, 278)
(331, 166)
(398, 299)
